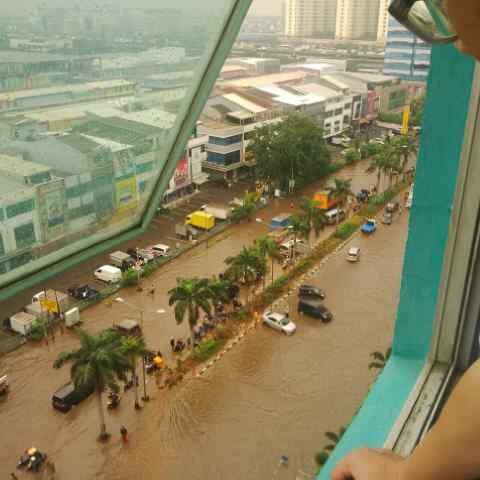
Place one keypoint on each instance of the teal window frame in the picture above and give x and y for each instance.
(22, 242)
(47, 267)
(418, 349)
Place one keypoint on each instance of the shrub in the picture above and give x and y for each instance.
(207, 349)
(129, 278)
(148, 270)
(346, 230)
(37, 331)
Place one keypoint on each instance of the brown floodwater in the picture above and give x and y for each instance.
(270, 395)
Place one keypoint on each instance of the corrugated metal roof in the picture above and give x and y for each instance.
(244, 103)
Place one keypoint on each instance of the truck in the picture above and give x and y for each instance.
(218, 211)
(22, 322)
(48, 300)
(186, 232)
(369, 226)
(122, 260)
(326, 201)
(202, 220)
(281, 221)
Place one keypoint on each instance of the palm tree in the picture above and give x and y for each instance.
(406, 146)
(99, 363)
(190, 296)
(268, 247)
(247, 267)
(220, 290)
(379, 359)
(341, 190)
(312, 214)
(134, 348)
(300, 228)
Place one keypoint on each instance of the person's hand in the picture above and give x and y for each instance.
(369, 464)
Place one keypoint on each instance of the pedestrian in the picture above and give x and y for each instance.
(400, 210)
(13, 476)
(152, 290)
(124, 433)
(172, 343)
(292, 205)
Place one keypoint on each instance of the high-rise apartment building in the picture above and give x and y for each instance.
(340, 19)
(310, 18)
(406, 56)
(357, 20)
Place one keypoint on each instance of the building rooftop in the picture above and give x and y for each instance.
(20, 167)
(233, 68)
(371, 77)
(321, 91)
(244, 103)
(290, 96)
(76, 87)
(283, 77)
(16, 56)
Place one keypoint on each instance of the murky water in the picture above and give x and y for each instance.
(269, 396)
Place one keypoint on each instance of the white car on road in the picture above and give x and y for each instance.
(279, 321)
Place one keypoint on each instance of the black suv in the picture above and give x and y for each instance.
(309, 291)
(67, 396)
(83, 292)
(315, 309)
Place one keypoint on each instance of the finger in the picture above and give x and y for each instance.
(343, 469)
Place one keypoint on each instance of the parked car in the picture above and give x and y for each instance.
(392, 207)
(353, 254)
(144, 255)
(314, 308)
(363, 195)
(83, 292)
(67, 396)
(279, 321)
(387, 218)
(286, 247)
(108, 274)
(129, 328)
(334, 216)
(369, 227)
(162, 249)
(309, 291)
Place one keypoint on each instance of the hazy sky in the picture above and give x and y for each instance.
(266, 7)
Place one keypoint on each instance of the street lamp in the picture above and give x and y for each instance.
(142, 311)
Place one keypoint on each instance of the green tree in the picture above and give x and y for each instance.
(268, 247)
(406, 145)
(99, 363)
(133, 348)
(219, 290)
(300, 229)
(312, 214)
(379, 359)
(190, 296)
(290, 153)
(248, 267)
(351, 155)
(245, 211)
(341, 190)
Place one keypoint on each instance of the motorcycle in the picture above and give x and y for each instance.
(32, 459)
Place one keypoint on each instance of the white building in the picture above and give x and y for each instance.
(310, 18)
(357, 20)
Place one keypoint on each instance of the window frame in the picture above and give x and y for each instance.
(431, 322)
(184, 126)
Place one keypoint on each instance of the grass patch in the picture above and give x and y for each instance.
(207, 349)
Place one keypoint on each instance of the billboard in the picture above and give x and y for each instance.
(181, 176)
(126, 194)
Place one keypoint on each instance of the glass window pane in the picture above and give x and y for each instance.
(91, 102)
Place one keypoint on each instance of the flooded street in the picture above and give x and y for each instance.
(270, 395)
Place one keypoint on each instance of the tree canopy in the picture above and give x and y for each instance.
(293, 149)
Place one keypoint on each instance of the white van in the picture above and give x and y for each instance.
(108, 274)
(353, 254)
(161, 249)
(331, 216)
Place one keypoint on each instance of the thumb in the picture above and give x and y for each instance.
(343, 470)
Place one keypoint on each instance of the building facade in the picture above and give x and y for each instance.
(357, 20)
(310, 18)
(406, 56)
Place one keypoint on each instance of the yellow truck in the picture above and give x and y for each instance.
(199, 219)
(325, 200)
